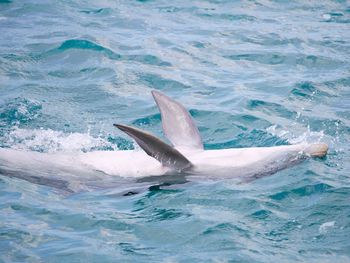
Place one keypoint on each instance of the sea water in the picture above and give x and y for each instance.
(251, 73)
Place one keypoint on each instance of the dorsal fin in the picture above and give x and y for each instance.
(153, 146)
(178, 126)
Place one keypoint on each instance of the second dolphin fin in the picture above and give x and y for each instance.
(153, 146)
(178, 125)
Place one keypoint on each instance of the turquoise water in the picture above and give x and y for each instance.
(252, 73)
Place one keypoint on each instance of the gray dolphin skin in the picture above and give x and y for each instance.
(178, 125)
(159, 150)
(180, 129)
(158, 162)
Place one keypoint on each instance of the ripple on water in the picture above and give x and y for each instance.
(158, 82)
(305, 190)
(90, 46)
(309, 61)
(308, 91)
(227, 17)
(19, 111)
(100, 11)
(253, 73)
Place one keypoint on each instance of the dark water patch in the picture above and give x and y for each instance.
(336, 45)
(271, 108)
(234, 130)
(342, 82)
(162, 214)
(129, 47)
(311, 61)
(147, 59)
(170, 9)
(223, 227)
(312, 189)
(86, 44)
(308, 61)
(160, 83)
(121, 143)
(309, 91)
(21, 58)
(15, 234)
(248, 119)
(36, 48)
(82, 44)
(280, 196)
(270, 59)
(340, 191)
(19, 111)
(335, 17)
(278, 237)
(262, 214)
(269, 39)
(183, 51)
(306, 190)
(199, 44)
(29, 75)
(134, 249)
(22, 208)
(100, 11)
(254, 138)
(227, 229)
(87, 72)
(333, 127)
(280, 232)
(76, 221)
(46, 35)
(227, 17)
(151, 120)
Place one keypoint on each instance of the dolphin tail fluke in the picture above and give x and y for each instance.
(153, 146)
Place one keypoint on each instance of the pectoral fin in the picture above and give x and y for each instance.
(153, 146)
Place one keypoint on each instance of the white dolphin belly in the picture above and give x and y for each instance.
(123, 163)
(116, 163)
(227, 162)
(74, 172)
(138, 164)
(253, 161)
(241, 157)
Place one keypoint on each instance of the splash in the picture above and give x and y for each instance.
(47, 140)
(295, 136)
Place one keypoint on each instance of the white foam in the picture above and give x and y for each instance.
(326, 226)
(296, 136)
(47, 140)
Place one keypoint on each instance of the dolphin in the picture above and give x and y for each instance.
(184, 158)
(187, 154)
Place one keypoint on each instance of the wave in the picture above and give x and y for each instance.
(19, 110)
(47, 140)
(84, 44)
(297, 59)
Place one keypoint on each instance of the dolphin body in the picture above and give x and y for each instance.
(186, 158)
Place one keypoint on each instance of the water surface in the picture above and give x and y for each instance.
(252, 73)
